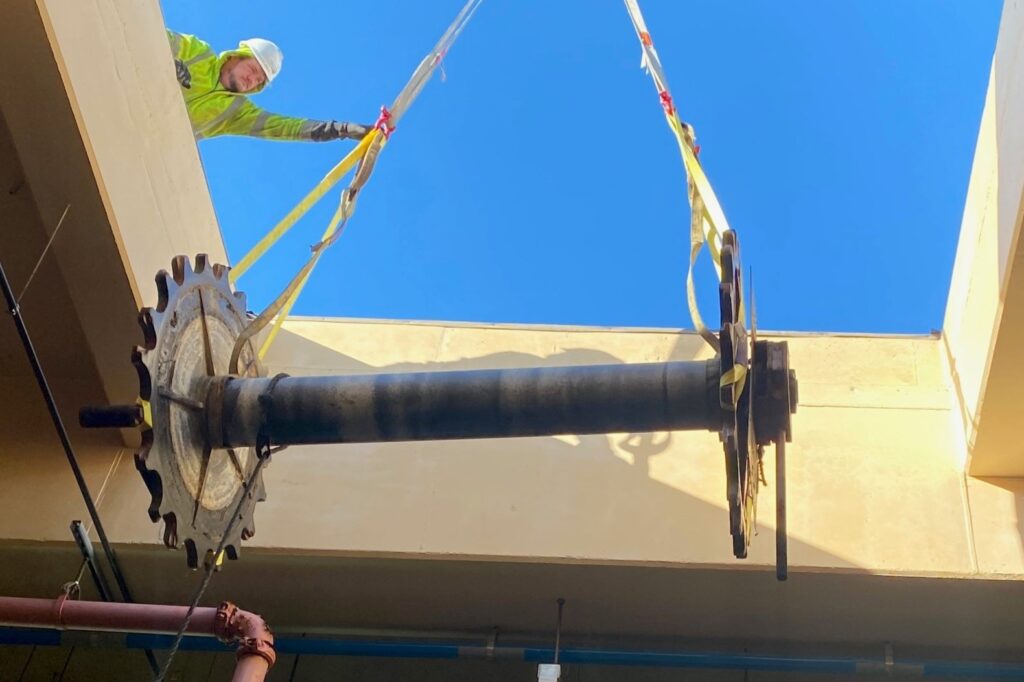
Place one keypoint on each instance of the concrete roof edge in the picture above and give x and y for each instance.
(934, 335)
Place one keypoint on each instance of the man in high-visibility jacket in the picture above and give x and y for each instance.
(215, 88)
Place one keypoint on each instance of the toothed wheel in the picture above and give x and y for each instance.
(189, 337)
(742, 454)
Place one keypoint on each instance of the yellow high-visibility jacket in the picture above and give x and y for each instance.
(214, 110)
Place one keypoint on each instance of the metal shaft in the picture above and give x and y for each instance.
(548, 401)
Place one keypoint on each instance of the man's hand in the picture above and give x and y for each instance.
(326, 131)
(353, 131)
(184, 77)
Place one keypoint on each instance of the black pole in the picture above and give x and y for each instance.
(62, 433)
(558, 629)
(469, 404)
(781, 540)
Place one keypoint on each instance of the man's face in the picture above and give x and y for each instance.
(242, 74)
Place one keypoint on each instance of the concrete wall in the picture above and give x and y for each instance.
(99, 133)
(984, 324)
(94, 139)
(886, 533)
(875, 477)
(137, 135)
(876, 447)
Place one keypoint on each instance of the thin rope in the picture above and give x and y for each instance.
(210, 565)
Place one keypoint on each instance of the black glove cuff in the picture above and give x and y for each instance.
(325, 131)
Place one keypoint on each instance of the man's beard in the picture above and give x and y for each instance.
(232, 83)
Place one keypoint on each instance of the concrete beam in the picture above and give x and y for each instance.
(984, 323)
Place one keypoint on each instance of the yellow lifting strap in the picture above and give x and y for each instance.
(363, 157)
(279, 309)
(707, 220)
(346, 207)
(317, 193)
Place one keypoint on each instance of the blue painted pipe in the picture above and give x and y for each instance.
(720, 661)
(454, 651)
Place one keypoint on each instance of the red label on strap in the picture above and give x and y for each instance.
(383, 123)
(645, 38)
(666, 102)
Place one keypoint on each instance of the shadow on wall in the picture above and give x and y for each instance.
(984, 283)
(616, 497)
(1010, 562)
(1009, 136)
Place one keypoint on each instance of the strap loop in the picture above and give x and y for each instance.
(707, 220)
(266, 403)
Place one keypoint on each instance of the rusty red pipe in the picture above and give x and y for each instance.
(255, 653)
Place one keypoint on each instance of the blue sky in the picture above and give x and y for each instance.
(539, 183)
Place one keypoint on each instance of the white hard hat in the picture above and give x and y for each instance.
(267, 54)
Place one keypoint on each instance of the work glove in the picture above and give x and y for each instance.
(353, 131)
(325, 131)
(184, 77)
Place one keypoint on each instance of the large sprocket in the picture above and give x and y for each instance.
(189, 337)
(742, 452)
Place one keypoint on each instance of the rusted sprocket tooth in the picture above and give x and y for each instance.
(241, 302)
(163, 290)
(148, 325)
(181, 268)
(171, 539)
(248, 531)
(145, 379)
(192, 554)
(153, 484)
(233, 549)
(201, 264)
(199, 552)
(220, 271)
